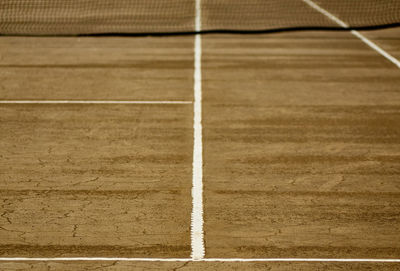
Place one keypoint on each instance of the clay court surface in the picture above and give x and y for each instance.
(301, 150)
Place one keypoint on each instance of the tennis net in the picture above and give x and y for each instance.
(76, 17)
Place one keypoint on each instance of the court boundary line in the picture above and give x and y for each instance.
(356, 33)
(197, 233)
(122, 259)
(89, 102)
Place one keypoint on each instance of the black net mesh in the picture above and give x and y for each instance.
(72, 17)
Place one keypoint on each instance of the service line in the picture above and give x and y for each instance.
(346, 260)
(354, 32)
(89, 102)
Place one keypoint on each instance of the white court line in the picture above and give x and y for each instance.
(197, 235)
(354, 32)
(89, 102)
(202, 260)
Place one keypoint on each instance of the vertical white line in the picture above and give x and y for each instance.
(198, 16)
(197, 234)
(354, 32)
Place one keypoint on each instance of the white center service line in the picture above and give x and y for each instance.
(197, 234)
(202, 260)
(89, 102)
(354, 32)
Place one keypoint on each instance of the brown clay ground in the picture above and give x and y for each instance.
(96, 179)
(302, 134)
(301, 151)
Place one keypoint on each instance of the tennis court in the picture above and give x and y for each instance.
(219, 151)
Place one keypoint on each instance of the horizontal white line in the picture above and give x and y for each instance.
(89, 102)
(101, 259)
(201, 260)
(299, 260)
